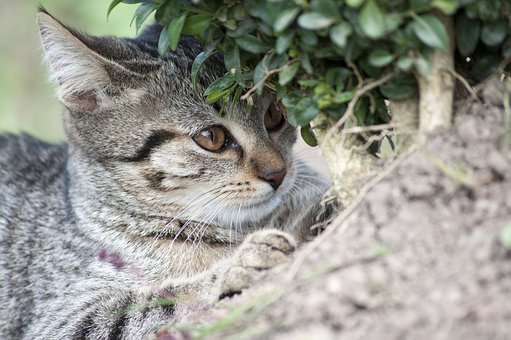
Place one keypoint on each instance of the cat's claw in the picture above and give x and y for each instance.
(261, 251)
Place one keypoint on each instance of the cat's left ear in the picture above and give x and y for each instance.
(88, 81)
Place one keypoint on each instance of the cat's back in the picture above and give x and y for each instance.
(31, 173)
(32, 210)
(28, 162)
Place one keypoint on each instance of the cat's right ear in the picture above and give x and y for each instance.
(84, 76)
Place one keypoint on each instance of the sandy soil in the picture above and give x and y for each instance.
(424, 256)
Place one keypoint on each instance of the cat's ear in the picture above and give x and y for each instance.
(84, 76)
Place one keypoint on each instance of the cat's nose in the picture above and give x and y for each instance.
(274, 178)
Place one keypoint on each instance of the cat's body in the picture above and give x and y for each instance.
(148, 200)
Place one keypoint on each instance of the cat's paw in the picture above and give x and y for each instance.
(259, 252)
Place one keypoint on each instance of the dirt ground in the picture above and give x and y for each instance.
(425, 255)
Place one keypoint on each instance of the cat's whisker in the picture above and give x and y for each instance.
(206, 207)
(306, 184)
(200, 228)
(304, 151)
(238, 223)
(199, 198)
(205, 226)
(217, 192)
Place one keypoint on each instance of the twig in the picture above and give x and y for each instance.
(297, 263)
(267, 74)
(360, 79)
(351, 106)
(359, 129)
(465, 83)
(371, 140)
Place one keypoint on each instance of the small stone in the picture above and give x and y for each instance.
(499, 164)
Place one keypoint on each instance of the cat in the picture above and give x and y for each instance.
(152, 197)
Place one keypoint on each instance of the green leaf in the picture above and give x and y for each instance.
(284, 41)
(277, 60)
(340, 33)
(400, 87)
(392, 21)
(419, 4)
(142, 13)
(169, 37)
(494, 32)
(306, 63)
(196, 24)
(308, 82)
(232, 57)
(251, 44)
(467, 34)
(380, 58)
(405, 63)
(314, 21)
(308, 136)
(214, 96)
(260, 71)
(220, 84)
(372, 20)
(199, 61)
(288, 72)
(423, 64)
(343, 97)
(285, 18)
(430, 30)
(447, 6)
(306, 111)
(308, 38)
(244, 27)
(361, 110)
(113, 4)
(231, 24)
(163, 42)
(166, 12)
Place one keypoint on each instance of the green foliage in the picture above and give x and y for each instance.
(316, 54)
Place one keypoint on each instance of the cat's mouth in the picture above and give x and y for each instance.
(256, 208)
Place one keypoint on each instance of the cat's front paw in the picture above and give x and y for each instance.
(259, 252)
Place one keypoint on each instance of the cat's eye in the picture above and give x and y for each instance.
(274, 117)
(212, 138)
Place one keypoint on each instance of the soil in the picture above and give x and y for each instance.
(423, 256)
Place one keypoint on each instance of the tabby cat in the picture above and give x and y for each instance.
(154, 195)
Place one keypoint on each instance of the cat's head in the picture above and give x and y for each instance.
(137, 114)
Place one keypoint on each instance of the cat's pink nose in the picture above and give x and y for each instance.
(274, 178)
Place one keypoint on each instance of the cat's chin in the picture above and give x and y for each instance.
(248, 216)
(251, 212)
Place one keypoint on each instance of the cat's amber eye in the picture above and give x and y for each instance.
(274, 116)
(212, 138)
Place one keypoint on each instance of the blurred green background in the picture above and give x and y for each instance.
(27, 99)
